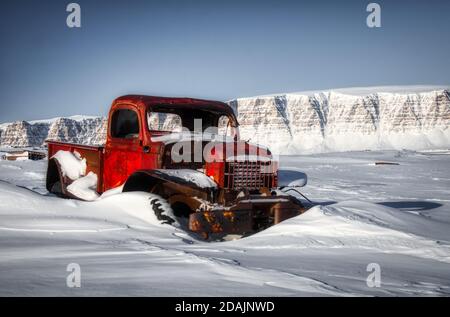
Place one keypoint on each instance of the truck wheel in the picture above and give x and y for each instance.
(181, 210)
(162, 213)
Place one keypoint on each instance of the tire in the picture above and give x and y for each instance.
(162, 213)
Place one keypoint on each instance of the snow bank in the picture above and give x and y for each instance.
(356, 224)
(85, 187)
(112, 191)
(133, 209)
(71, 163)
(119, 240)
(395, 216)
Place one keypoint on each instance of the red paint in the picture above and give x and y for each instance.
(216, 171)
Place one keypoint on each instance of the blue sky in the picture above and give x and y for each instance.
(210, 49)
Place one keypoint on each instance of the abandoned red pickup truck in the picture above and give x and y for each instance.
(207, 175)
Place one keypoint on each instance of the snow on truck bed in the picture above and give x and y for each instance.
(397, 216)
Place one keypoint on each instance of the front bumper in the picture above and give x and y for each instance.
(250, 214)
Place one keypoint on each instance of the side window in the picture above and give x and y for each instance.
(125, 124)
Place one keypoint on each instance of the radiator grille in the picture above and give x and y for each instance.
(249, 175)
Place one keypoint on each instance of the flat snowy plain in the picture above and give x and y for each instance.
(397, 216)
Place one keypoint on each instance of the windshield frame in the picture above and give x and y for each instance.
(188, 111)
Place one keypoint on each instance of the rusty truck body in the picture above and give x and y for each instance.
(230, 188)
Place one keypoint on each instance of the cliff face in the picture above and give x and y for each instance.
(87, 131)
(22, 133)
(33, 134)
(295, 123)
(334, 121)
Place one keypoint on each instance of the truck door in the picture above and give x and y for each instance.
(123, 151)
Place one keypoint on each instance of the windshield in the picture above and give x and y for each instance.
(194, 121)
(166, 122)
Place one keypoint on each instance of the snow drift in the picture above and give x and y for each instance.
(396, 216)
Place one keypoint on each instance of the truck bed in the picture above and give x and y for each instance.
(94, 156)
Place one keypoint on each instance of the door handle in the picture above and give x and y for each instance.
(146, 149)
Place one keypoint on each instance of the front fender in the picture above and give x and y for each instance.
(178, 180)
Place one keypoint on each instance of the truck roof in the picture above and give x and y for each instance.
(177, 101)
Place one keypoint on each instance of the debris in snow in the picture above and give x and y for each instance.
(386, 163)
(71, 163)
(85, 187)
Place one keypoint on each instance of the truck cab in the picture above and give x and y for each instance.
(137, 126)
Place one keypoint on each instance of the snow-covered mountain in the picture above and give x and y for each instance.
(78, 129)
(357, 119)
(408, 117)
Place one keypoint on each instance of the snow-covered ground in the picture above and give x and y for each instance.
(397, 216)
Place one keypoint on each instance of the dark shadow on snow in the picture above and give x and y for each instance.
(411, 205)
(401, 205)
(324, 203)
